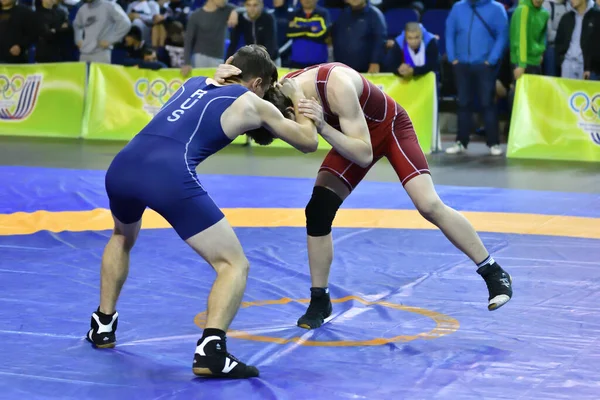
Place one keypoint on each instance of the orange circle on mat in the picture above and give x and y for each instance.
(445, 325)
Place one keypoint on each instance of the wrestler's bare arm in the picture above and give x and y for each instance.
(354, 140)
(250, 112)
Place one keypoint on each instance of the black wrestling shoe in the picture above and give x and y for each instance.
(212, 360)
(103, 328)
(499, 284)
(319, 308)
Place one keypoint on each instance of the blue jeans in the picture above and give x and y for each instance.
(594, 77)
(476, 80)
(550, 67)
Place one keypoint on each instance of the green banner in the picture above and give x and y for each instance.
(417, 96)
(122, 100)
(555, 119)
(42, 99)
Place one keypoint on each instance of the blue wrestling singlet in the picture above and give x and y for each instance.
(157, 169)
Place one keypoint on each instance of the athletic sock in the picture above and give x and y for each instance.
(488, 261)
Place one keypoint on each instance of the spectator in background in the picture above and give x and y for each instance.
(528, 29)
(475, 48)
(134, 46)
(204, 41)
(576, 44)
(98, 25)
(173, 11)
(556, 9)
(308, 29)
(17, 32)
(150, 60)
(415, 52)
(359, 37)
(591, 58)
(159, 31)
(256, 26)
(52, 23)
(174, 45)
(505, 79)
(141, 14)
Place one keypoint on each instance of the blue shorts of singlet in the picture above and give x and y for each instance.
(151, 171)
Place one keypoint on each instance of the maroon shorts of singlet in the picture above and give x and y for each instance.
(392, 134)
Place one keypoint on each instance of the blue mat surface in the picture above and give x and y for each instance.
(543, 345)
(30, 189)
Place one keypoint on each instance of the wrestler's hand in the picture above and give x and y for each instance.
(225, 71)
(290, 88)
(312, 110)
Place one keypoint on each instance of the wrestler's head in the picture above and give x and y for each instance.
(259, 72)
(284, 104)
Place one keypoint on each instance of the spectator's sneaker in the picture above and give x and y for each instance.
(212, 360)
(496, 150)
(499, 284)
(319, 308)
(103, 328)
(456, 149)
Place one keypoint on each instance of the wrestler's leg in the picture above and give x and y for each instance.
(409, 162)
(335, 181)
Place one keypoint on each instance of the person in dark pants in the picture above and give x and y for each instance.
(577, 38)
(528, 38)
(528, 30)
(592, 61)
(256, 26)
(556, 9)
(17, 32)
(359, 37)
(476, 38)
(52, 23)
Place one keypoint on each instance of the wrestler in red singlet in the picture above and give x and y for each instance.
(392, 132)
(392, 135)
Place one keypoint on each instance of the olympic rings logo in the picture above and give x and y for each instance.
(582, 104)
(18, 96)
(157, 90)
(9, 86)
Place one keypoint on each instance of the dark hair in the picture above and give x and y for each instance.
(273, 95)
(136, 33)
(254, 62)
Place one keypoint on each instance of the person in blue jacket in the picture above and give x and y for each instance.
(476, 38)
(359, 36)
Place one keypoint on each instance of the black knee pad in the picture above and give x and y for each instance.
(320, 211)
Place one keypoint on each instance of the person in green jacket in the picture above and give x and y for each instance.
(528, 28)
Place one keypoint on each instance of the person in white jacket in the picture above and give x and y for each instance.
(142, 13)
(98, 25)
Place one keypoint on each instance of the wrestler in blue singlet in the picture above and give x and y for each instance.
(157, 169)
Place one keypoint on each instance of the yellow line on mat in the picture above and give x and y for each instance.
(100, 219)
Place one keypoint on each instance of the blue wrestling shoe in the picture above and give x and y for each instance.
(102, 330)
(499, 284)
